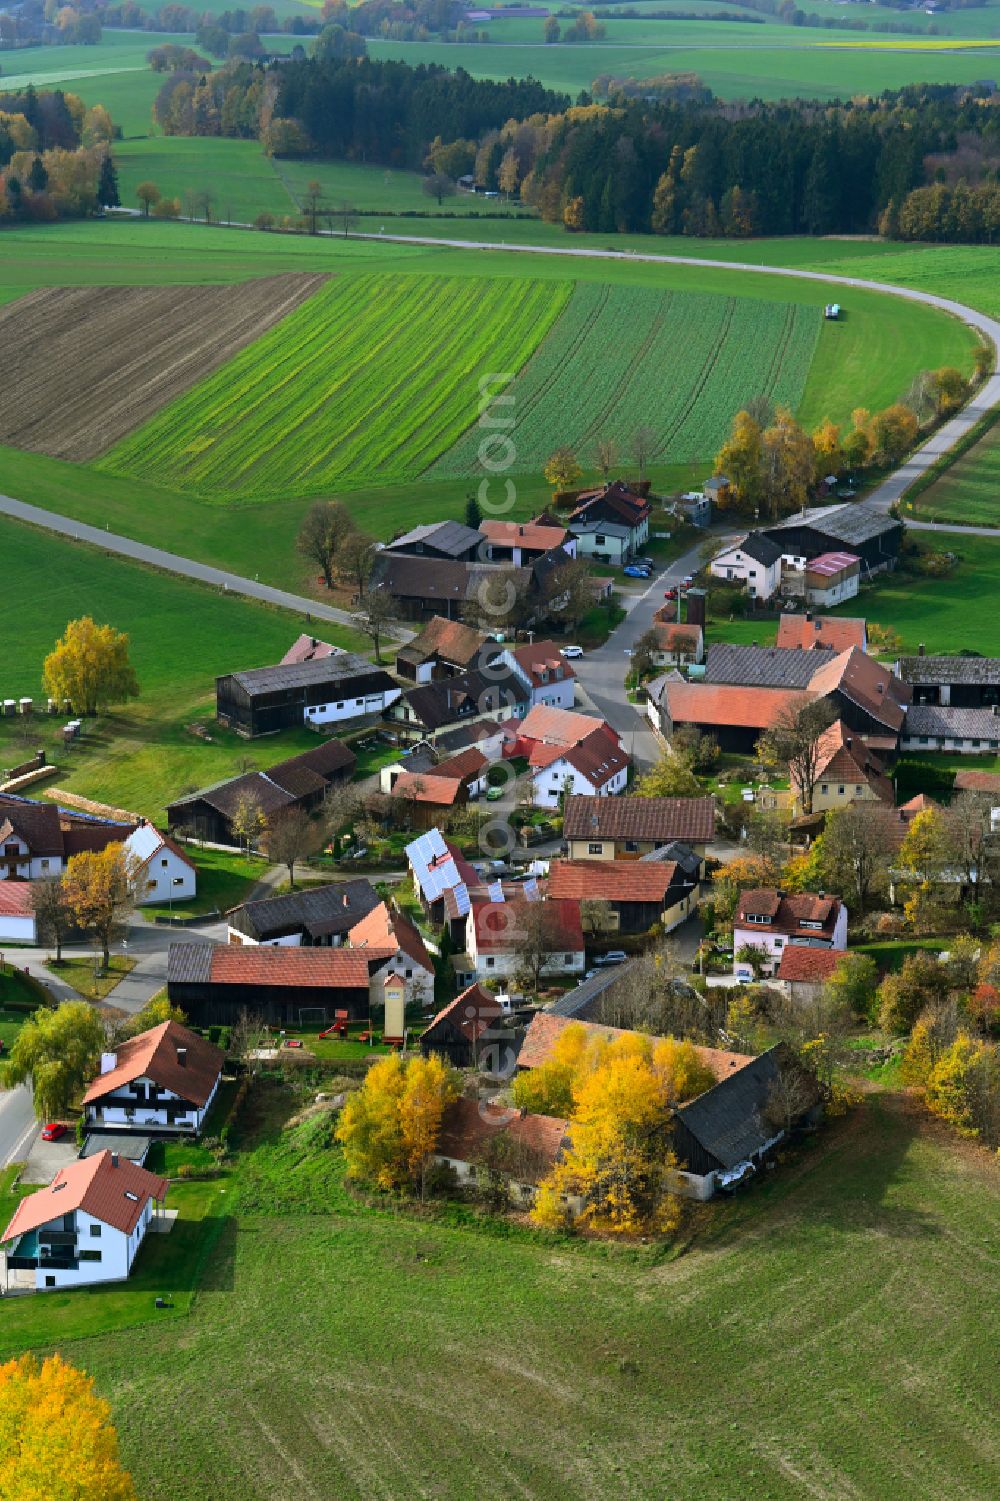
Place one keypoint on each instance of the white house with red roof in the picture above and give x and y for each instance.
(17, 912)
(164, 1079)
(568, 754)
(548, 675)
(161, 871)
(395, 950)
(771, 921)
(85, 1227)
(494, 929)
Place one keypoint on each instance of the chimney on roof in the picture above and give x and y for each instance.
(754, 643)
(182, 1057)
(114, 1159)
(822, 894)
(108, 1062)
(848, 741)
(314, 641)
(345, 900)
(809, 617)
(921, 650)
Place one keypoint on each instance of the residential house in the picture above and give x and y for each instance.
(443, 880)
(846, 772)
(493, 931)
(522, 543)
(85, 1227)
(38, 839)
(315, 917)
(830, 632)
(468, 1032)
(443, 649)
(772, 920)
(17, 912)
(568, 754)
(162, 1080)
(628, 828)
(299, 782)
(804, 971)
(395, 951)
(425, 710)
(610, 524)
(447, 541)
(550, 679)
(421, 798)
(869, 534)
(755, 561)
(677, 645)
(162, 872)
(308, 649)
(937, 727)
(332, 690)
(965, 682)
(639, 896)
(419, 757)
(531, 1145)
(214, 984)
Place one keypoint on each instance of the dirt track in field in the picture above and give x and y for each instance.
(83, 366)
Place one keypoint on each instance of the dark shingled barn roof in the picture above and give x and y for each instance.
(728, 1120)
(320, 911)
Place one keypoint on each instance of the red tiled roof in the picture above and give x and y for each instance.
(977, 781)
(303, 968)
(725, 704)
(789, 912)
(842, 756)
(528, 534)
(467, 1127)
(559, 726)
(545, 1029)
(306, 649)
(597, 758)
(830, 631)
(465, 765)
(473, 1013)
(448, 639)
(610, 880)
(657, 820)
(919, 804)
(153, 1055)
(16, 899)
(96, 1186)
(387, 928)
(427, 787)
(866, 683)
(542, 662)
(496, 924)
(801, 962)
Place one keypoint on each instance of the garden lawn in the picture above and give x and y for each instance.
(181, 636)
(372, 376)
(948, 614)
(340, 1344)
(890, 954)
(79, 972)
(224, 881)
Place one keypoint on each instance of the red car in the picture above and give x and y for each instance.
(670, 594)
(53, 1131)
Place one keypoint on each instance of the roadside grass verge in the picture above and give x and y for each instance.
(224, 881)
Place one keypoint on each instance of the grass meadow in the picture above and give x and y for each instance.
(822, 1336)
(968, 492)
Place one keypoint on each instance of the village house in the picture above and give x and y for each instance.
(443, 649)
(529, 1146)
(160, 870)
(677, 645)
(469, 767)
(568, 754)
(524, 542)
(548, 676)
(468, 1033)
(639, 896)
(846, 772)
(85, 1227)
(423, 711)
(395, 951)
(443, 880)
(162, 1080)
(755, 562)
(420, 798)
(771, 921)
(736, 717)
(17, 912)
(870, 535)
(299, 782)
(610, 524)
(332, 690)
(39, 839)
(314, 917)
(627, 828)
(215, 983)
(829, 632)
(804, 971)
(493, 933)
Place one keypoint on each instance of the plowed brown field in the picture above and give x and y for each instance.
(83, 366)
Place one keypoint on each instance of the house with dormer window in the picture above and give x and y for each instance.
(162, 1080)
(771, 921)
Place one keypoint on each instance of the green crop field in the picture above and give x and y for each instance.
(683, 364)
(373, 376)
(181, 636)
(967, 493)
(823, 1338)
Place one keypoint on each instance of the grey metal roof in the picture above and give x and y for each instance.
(189, 963)
(583, 1002)
(728, 1119)
(984, 671)
(943, 722)
(764, 666)
(343, 668)
(851, 522)
(451, 537)
(445, 701)
(129, 1144)
(319, 911)
(677, 853)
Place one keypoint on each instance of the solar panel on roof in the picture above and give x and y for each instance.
(495, 891)
(531, 892)
(460, 895)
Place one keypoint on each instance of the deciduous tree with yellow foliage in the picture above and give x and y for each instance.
(389, 1129)
(56, 1436)
(89, 667)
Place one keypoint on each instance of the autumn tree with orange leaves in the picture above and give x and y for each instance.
(56, 1435)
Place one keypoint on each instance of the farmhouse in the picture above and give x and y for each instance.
(85, 1227)
(395, 951)
(300, 782)
(870, 535)
(444, 648)
(37, 839)
(531, 1145)
(610, 524)
(627, 828)
(162, 1080)
(466, 1032)
(764, 666)
(161, 871)
(952, 682)
(846, 772)
(755, 562)
(831, 632)
(331, 690)
(517, 543)
(770, 921)
(451, 541)
(315, 917)
(477, 695)
(215, 984)
(639, 895)
(736, 716)
(677, 645)
(494, 927)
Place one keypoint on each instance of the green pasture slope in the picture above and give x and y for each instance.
(824, 1338)
(967, 493)
(181, 635)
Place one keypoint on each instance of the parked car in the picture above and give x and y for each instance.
(670, 594)
(571, 652)
(494, 794)
(613, 956)
(631, 571)
(54, 1131)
